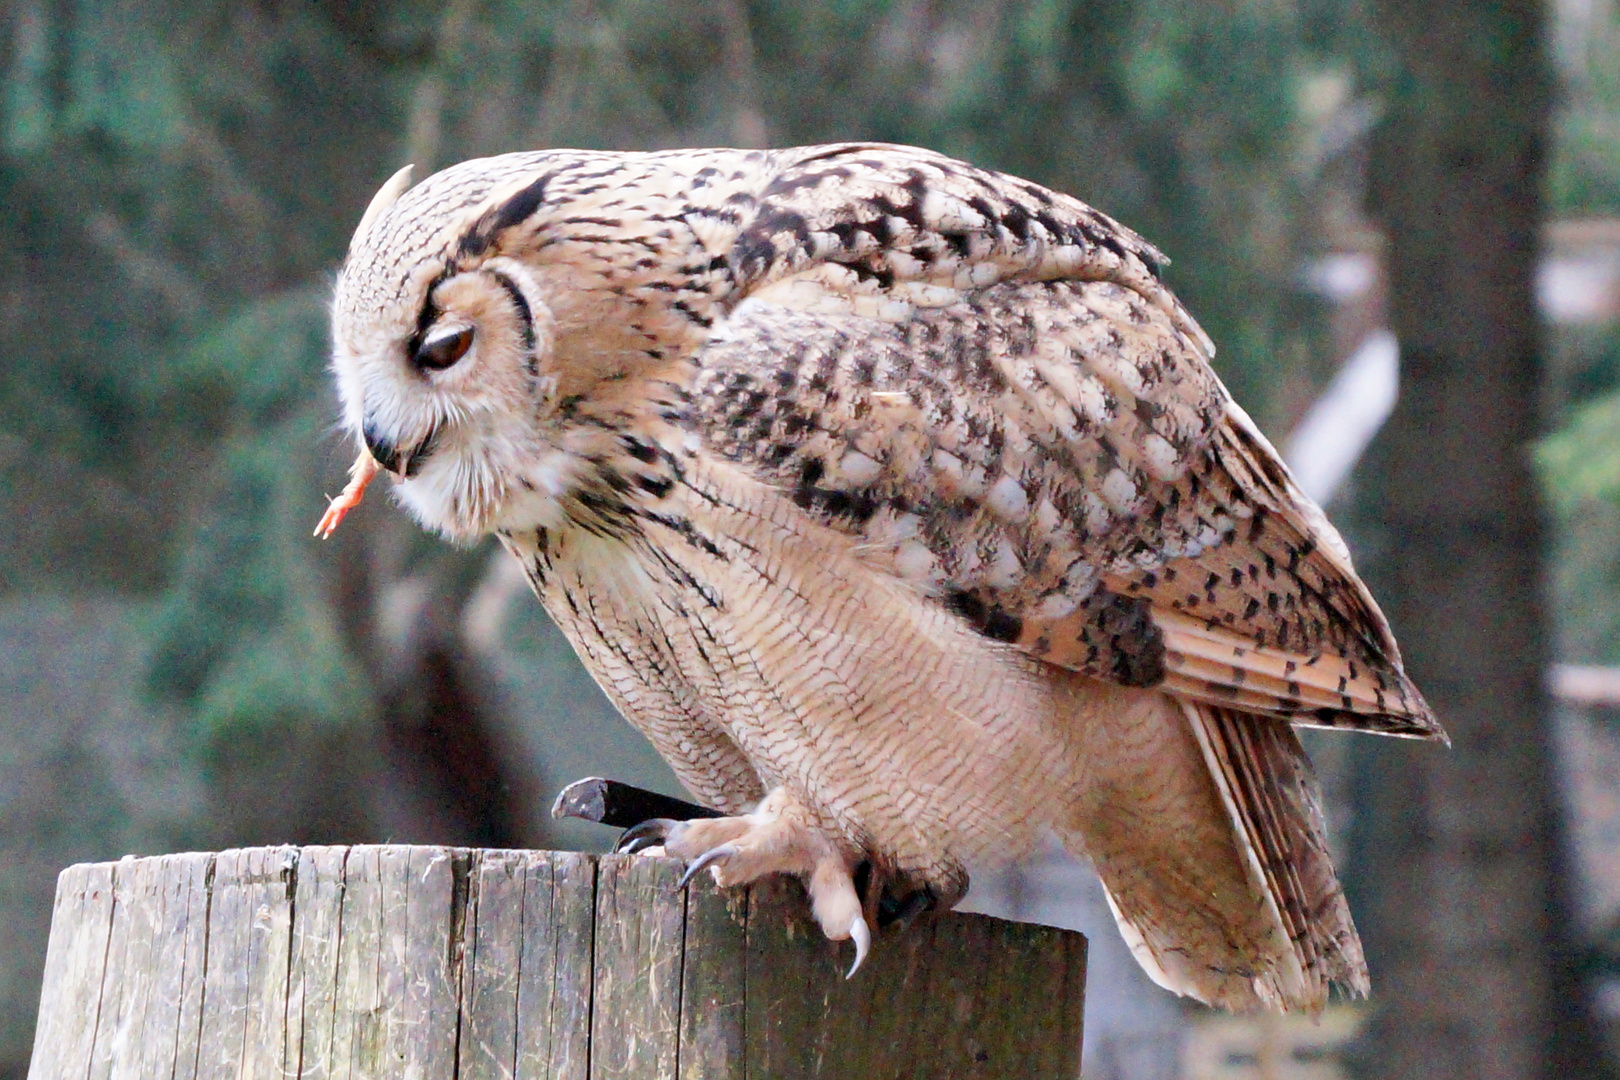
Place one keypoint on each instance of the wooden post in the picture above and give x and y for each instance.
(430, 962)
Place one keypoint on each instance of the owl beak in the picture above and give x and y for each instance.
(385, 450)
(404, 462)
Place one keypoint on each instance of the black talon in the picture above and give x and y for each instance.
(610, 802)
(646, 834)
(708, 858)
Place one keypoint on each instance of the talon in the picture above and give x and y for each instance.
(637, 844)
(649, 833)
(708, 858)
(861, 935)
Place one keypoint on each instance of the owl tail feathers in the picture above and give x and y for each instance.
(1282, 944)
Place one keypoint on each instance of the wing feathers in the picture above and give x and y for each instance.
(1215, 666)
(1066, 472)
(900, 214)
(1270, 615)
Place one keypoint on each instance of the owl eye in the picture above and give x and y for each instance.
(443, 348)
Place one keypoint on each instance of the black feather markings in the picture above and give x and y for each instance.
(515, 210)
(427, 316)
(991, 621)
(521, 303)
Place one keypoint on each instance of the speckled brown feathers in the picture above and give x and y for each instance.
(1063, 471)
(895, 500)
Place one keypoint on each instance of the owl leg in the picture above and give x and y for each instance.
(776, 838)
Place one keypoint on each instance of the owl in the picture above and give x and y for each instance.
(896, 502)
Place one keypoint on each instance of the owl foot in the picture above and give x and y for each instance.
(893, 903)
(773, 839)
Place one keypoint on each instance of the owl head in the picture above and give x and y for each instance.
(478, 309)
(443, 347)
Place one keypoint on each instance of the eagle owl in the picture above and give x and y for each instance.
(896, 502)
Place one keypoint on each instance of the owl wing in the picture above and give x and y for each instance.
(1056, 462)
(987, 383)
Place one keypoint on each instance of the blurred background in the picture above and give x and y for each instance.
(1339, 183)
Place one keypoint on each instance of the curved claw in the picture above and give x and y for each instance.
(708, 858)
(648, 834)
(861, 935)
(637, 844)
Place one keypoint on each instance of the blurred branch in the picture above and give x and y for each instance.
(742, 75)
(483, 617)
(150, 271)
(233, 190)
(424, 134)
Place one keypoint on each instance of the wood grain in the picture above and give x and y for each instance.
(384, 961)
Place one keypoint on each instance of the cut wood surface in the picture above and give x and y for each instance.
(426, 962)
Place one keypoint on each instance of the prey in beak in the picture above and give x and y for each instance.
(361, 473)
(379, 455)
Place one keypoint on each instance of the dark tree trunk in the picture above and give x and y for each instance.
(1459, 858)
(442, 773)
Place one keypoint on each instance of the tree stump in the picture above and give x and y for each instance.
(429, 962)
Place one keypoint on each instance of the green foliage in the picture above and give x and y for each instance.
(248, 640)
(1585, 167)
(119, 81)
(1581, 461)
(160, 171)
(267, 360)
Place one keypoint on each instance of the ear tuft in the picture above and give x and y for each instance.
(390, 191)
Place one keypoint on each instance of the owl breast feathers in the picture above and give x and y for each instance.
(896, 502)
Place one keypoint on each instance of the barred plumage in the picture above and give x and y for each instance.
(896, 502)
